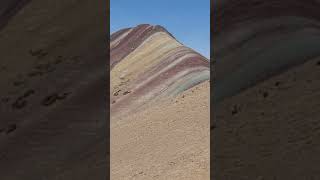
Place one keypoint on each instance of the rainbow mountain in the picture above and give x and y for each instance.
(148, 64)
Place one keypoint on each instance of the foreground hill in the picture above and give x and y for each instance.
(167, 141)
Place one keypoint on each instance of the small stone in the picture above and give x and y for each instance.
(11, 128)
(126, 92)
(265, 94)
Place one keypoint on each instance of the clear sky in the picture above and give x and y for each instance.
(187, 20)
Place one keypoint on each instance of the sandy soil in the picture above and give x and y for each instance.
(169, 140)
(266, 108)
(271, 131)
(53, 81)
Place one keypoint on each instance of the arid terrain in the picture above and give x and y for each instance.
(160, 107)
(266, 90)
(167, 141)
(53, 80)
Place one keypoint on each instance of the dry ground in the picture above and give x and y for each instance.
(272, 130)
(169, 140)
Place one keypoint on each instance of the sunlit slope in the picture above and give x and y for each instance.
(148, 63)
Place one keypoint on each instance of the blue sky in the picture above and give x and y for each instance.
(187, 20)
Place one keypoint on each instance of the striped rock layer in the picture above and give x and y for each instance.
(148, 64)
(256, 39)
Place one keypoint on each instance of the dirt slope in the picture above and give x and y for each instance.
(53, 91)
(167, 141)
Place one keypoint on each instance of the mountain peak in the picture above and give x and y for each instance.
(141, 27)
(148, 63)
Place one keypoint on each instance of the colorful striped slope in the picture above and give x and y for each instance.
(148, 64)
